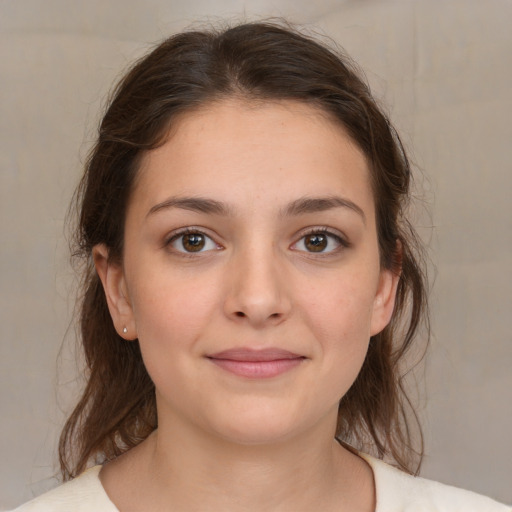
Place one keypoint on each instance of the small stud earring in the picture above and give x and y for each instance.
(125, 330)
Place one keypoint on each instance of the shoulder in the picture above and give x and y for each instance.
(82, 494)
(399, 492)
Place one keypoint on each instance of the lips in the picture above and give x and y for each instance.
(256, 364)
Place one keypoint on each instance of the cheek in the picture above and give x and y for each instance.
(171, 312)
(169, 319)
(341, 310)
(339, 316)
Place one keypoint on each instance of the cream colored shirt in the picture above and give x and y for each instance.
(395, 492)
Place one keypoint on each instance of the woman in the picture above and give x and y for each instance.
(251, 288)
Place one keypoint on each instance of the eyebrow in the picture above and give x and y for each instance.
(305, 205)
(195, 204)
(301, 206)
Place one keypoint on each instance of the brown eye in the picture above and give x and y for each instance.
(193, 242)
(323, 242)
(316, 242)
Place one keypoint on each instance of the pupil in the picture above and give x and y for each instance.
(193, 242)
(316, 243)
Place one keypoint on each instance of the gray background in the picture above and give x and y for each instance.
(442, 68)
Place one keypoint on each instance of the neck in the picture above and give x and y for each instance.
(182, 470)
(255, 477)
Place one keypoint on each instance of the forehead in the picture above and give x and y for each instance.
(276, 151)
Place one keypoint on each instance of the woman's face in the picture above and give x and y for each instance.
(251, 271)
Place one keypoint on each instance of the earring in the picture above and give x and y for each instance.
(125, 330)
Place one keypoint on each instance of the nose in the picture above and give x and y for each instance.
(258, 289)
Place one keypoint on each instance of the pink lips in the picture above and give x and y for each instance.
(256, 364)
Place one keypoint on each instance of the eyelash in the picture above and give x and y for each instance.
(343, 243)
(187, 231)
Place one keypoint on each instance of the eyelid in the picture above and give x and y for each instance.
(335, 234)
(326, 230)
(177, 233)
(340, 238)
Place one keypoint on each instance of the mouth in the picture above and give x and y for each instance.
(256, 364)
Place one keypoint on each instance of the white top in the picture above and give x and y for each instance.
(396, 491)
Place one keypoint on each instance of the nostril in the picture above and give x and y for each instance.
(240, 314)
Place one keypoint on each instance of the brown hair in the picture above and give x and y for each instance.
(262, 61)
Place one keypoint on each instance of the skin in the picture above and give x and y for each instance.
(229, 442)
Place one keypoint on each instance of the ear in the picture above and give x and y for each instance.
(384, 302)
(114, 284)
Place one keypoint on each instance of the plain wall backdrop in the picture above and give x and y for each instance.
(443, 70)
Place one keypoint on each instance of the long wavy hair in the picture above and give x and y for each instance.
(255, 61)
